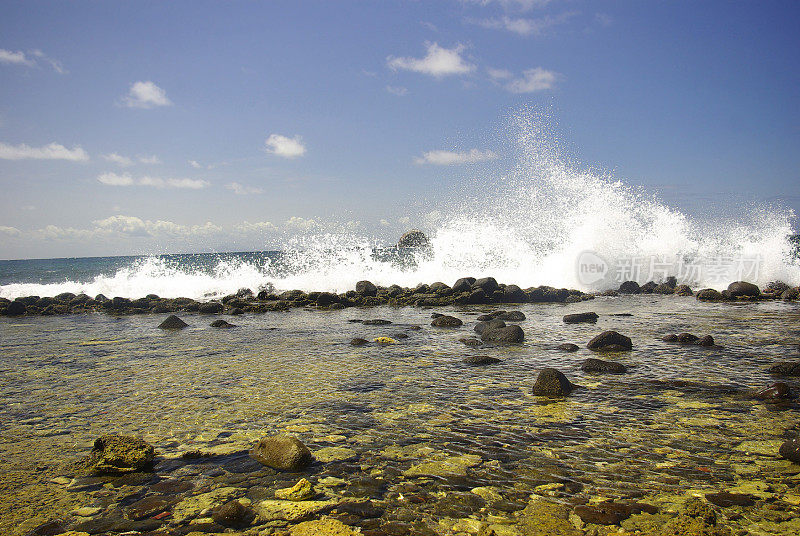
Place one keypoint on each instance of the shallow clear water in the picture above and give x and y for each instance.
(672, 423)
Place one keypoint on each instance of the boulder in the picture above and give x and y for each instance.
(786, 368)
(16, 308)
(117, 454)
(580, 317)
(709, 294)
(776, 391)
(446, 321)
(358, 341)
(480, 360)
(790, 294)
(301, 491)
(220, 323)
(211, 308)
(487, 284)
(284, 453)
(611, 513)
(173, 322)
(663, 288)
(791, 450)
(725, 499)
(743, 289)
(568, 347)
(629, 287)
(325, 526)
(707, 341)
(687, 338)
(600, 366)
(463, 285)
(553, 383)
(511, 316)
(366, 288)
(232, 514)
(327, 298)
(610, 340)
(413, 239)
(470, 341)
(508, 334)
(494, 323)
(376, 322)
(683, 290)
(476, 297)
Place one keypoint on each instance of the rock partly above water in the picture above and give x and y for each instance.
(173, 322)
(116, 454)
(285, 453)
(600, 366)
(610, 341)
(551, 382)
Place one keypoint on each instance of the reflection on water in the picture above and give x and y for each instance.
(679, 420)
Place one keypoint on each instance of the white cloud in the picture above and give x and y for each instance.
(397, 90)
(146, 95)
(285, 147)
(240, 189)
(9, 231)
(385, 223)
(255, 228)
(451, 158)
(115, 179)
(55, 64)
(499, 74)
(438, 62)
(301, 224)
(525, 27)
(15, 58)
(53, 151)
(536, 79)
(195, 164)
(519, 5)
(118, 159)
(152, 159)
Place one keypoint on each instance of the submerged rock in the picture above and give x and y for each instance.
(326, 526)
(446, 321)
(580, 317)
(494, 323)
(232, 514)
(511, 316)
(725, 499)
(480, 360)
(173, 322)
(116, 454)
(600, 366)
(358, 341)
(611, 513)
(301, 491)
(553, 383)
(470, 341)
(508, 334)
(376, 322)
(776, 391)
(222, 324)
(284, 453)
(610, 340)
(568, 347)
(791, 450)
(786, 368)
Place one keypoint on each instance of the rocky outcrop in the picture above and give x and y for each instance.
(284, 453)
(743, 289)
(366, 288)
(117, 454)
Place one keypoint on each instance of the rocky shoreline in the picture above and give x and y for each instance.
(465, 291)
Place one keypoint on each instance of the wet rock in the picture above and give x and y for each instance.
(629, 287)
(446, 321)
(707, 341)
(327, 298)
(664, 288)
(87, 511)
(440, 288)
(544, 518)
(470, 341)
(232, 514)
(116, 454)
(776, 391)
(448, 467)
(786, 368)
(301, 491)
(724, 499)
(709, 294)
(413, 239)
(463, 285)
(611, 513)
(285, 453)
(494, 323)
(791, 450)
(687, 338)
(384, 340)
(51, 528)
(16, 308)
(683, 290)
(291, 511)
(195, 505)
(514, 294)
(220, 323)
(376, 322)
(211, 308)
(600, 366)
(148, 507)
(508, 334)
(326, 526)
(743, 289)
(580, 317)
(672, 337)
(480, 360)
(551, 382)
(173, 322)
(336, 454)
(511, 316)
(610, 340)
(790, 294)
(366, 288)
(487, 284)
(477, 296)
(568, 347)
(358, 341)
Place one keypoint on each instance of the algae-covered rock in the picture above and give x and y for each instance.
(232, 514)
(446, 321)
(116, 454)
(301, 491)
(553, 383)
(610, 340)
(285, 453)
(292, 511)
(192, 507)
(335, 454)
(448, 467)
(544, 518)
(600, 366)
(323, 527)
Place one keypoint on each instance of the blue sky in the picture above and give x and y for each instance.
(146, 127)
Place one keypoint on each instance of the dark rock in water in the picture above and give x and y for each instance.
(211, 308)
(366, 288)
(437, 315)
(487, 284)
(708, 341)
(683, 290)
(479, 360)
(173, 322)
(463, 285)
(494, 323)
(687, 338)
(743, 289)
(724, 499)
(327, 298)
(399, 335)
(512, 316)
(65, 297)
(514, 294)
(611, 513)
(440, 288)
(149, 506)
(580, 317)
(116, 454)
(511, 334)
(791, 294)
(483, 318)
(413, 239)
(477, 296)
(786, 368)
(610, 340)
(709, 294)
(568, 347)
(358, 341)
(232, 514)
(51, 528)
(791, 450)
(648, 287)
(376, 322)
(663, 288)
(670, 338)
(551, 382)
(220, 323)
(629, 287)
(446, 321)
(776, 391)
(16, 308)
(470, 341)
(598, 365)
(284, 453)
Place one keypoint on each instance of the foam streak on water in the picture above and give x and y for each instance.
(528, 226)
